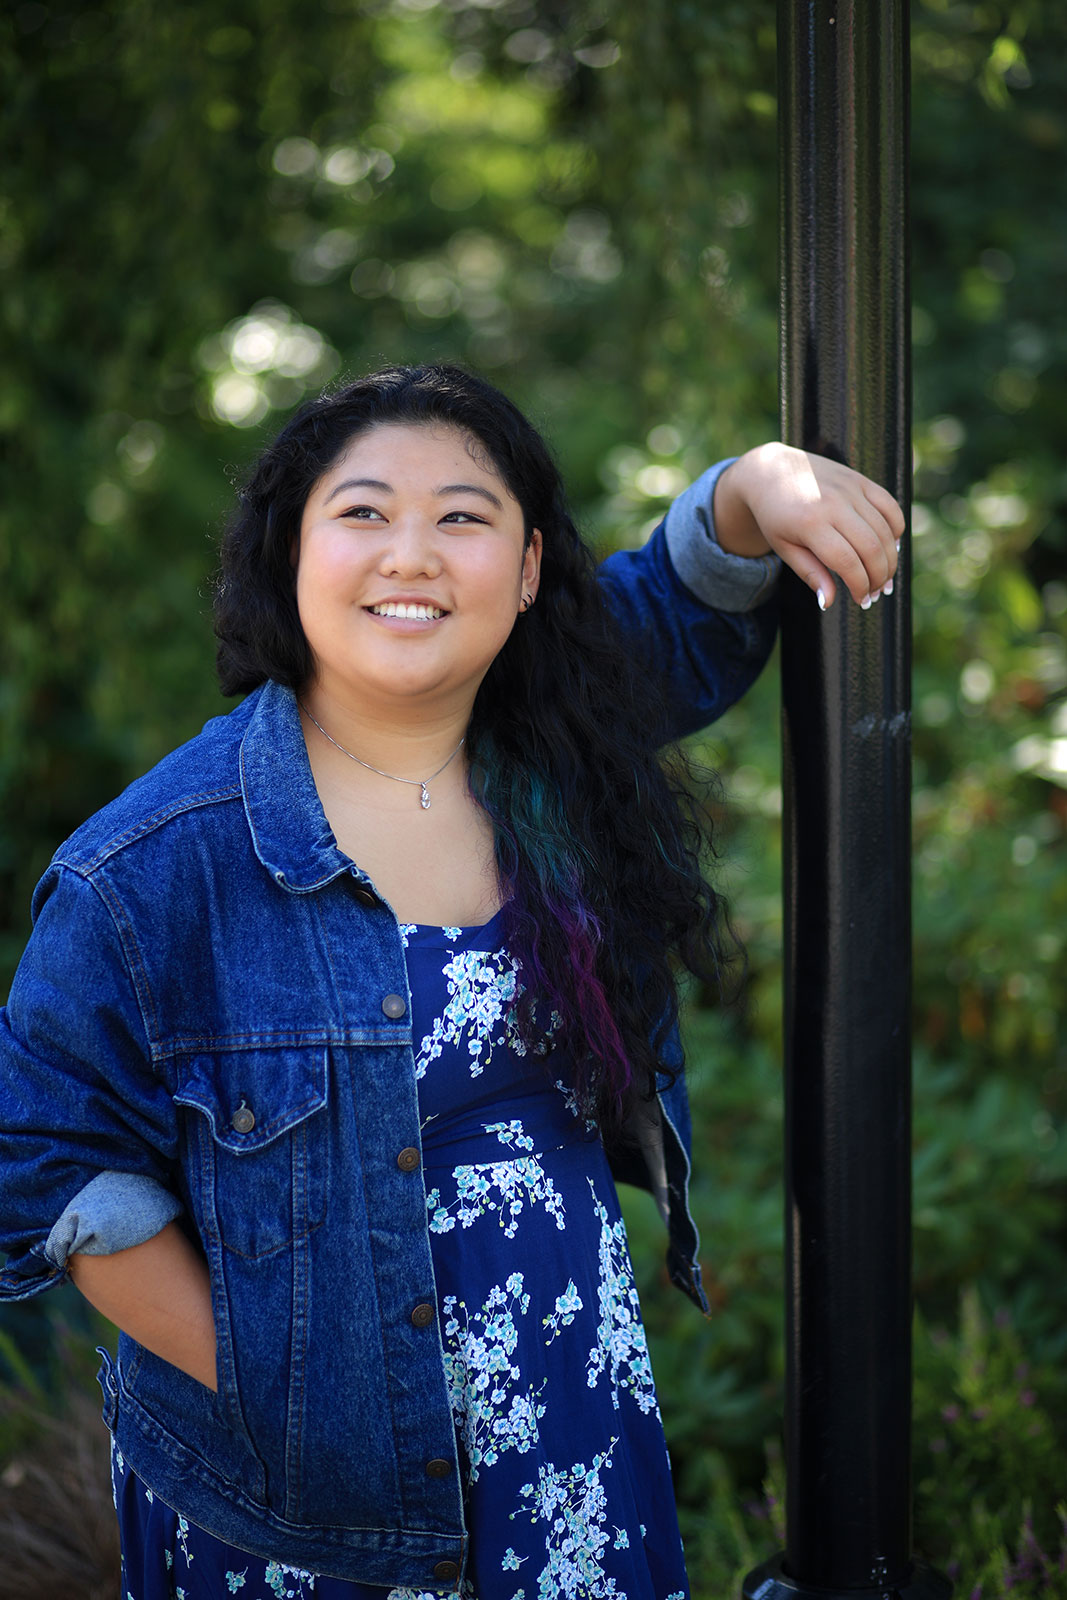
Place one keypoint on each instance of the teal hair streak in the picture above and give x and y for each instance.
(552, 926)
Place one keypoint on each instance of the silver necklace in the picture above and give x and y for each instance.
(424, 797)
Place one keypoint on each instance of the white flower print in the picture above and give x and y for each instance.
(503, 1187)
(117, 1467)
(572, 1505)
(482, 988)
(183, 1534)
(500, 1187)
(277, 1575)
(493, 1414)
(465, 1592)
(570, 1098)
(567, 1305)
(406, 929)
(511, 1134)
(620, 1349)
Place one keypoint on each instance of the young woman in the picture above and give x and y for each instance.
(334, 1027)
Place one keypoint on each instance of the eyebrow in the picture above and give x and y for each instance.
(471, 488)
(387, 488)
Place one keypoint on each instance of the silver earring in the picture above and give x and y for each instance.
(527, 602)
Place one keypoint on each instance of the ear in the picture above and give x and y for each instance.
(531, 564)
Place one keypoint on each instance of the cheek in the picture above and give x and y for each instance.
(326, 571)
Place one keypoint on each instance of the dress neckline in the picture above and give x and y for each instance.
(452, 933)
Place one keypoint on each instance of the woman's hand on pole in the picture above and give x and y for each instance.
(820, 517)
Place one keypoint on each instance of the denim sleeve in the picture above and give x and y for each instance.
(720, 579)
(114, 1211)
(88, 1136)
(703, 633)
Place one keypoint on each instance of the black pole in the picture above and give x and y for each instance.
(845, 390)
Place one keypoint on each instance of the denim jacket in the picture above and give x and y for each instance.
(211, 1023)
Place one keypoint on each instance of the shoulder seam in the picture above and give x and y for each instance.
(143, 827)
(136, 972)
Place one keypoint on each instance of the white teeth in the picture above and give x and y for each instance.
(410, 613)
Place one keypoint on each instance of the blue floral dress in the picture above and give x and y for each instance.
(567, 1483)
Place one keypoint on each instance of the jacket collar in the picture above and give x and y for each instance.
(290, 833)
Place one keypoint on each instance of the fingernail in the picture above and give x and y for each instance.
(867, 602)
(887, 587)
(898, 547)
(820, 596)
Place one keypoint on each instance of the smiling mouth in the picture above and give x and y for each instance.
(411, 613)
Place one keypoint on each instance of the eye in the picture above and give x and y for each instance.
(462, 517)
(360, 514)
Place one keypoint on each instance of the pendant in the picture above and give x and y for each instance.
(424, 797)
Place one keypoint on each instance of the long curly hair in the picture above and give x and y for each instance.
(599, 845)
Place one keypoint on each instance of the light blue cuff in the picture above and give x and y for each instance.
(722, 580)
(114, 1211)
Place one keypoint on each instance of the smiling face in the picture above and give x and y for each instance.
(410, 569)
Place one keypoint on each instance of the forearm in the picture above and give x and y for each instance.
(736, 529)
(158, 1293)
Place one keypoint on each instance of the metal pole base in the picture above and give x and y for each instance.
(771, 1582)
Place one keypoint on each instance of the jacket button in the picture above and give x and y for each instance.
(394, 1005)
(366, 897)
(422, 1315)
(408, 1159)
(243, 1119)
(438, 1468)
(446, 1571)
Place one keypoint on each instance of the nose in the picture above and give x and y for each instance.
(412, 550)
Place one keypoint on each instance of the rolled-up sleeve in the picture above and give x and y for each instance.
(88, 1137)
(715, 575)
(701, 621)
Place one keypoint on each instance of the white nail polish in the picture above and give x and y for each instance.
(821, 598)
(888, 587)
(866, 603)
(898, 547)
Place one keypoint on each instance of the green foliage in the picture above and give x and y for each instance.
(211, 216)
(990, 1469)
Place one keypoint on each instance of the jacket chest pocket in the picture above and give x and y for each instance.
(260, 1127)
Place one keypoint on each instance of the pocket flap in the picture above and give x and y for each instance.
(250, 1097)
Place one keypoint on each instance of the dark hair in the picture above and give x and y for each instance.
(596, 844)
